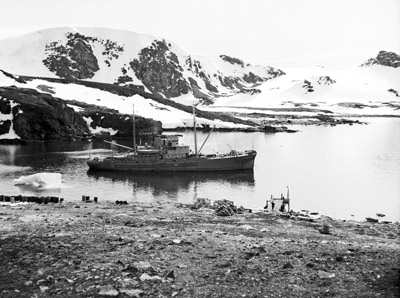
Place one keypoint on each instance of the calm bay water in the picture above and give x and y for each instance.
(339, 171)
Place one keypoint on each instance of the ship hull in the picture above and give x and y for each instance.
(191, 164)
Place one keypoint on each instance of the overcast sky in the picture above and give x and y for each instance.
(277, 32)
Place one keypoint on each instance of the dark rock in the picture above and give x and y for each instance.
(224, 210)
(232, 60)
(74, 60)
(159, 70)
(339, 259)
(5, 126)
(326, 229)
(395, 92)
(384, 58)
(288, 265)
(170, 275)
(251, 254)
(40, 116)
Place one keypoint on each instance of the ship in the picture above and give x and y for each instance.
(166, 154)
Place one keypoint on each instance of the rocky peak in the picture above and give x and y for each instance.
(159, 70)
(384, 58)
(75, 58)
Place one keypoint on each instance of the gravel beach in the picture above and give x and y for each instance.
(172, 250)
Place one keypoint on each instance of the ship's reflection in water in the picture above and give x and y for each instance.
(177, 186)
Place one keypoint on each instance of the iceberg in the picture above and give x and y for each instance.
(40, 180)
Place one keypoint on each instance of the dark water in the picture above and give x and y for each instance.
(339, 171)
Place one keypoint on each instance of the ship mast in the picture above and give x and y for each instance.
(133, 126)
(194, 131)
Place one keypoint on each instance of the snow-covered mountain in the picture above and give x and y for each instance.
(115, 69)
(127, 58)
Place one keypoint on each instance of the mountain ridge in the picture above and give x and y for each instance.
(113, 69)
(128, 58)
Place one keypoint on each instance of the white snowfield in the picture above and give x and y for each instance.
(376, 88)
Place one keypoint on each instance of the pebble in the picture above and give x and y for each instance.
(132, 292)
(108, 290)
(325, 275)
(145, 276)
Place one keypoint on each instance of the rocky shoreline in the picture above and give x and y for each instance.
(106, 249)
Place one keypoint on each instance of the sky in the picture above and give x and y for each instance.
(332, 33)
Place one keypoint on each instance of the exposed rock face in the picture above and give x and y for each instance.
(232, 60)
(395, 92)
(159, 70)
(75, 59)
(250, 77)
(42, 117)
(309, 86)
(325, 80)
(384, 58)
(122, 123)
(5, 126)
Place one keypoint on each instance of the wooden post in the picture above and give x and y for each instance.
(194, 131)
(134, 128)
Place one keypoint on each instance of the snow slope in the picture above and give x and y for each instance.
(323, 88)
(115, 50)
(24, 55)
(169, 116)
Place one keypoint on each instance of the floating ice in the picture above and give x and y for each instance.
(40, 180)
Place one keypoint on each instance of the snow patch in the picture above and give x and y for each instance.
(99, 129)
(76, 108)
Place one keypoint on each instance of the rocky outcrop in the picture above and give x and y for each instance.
(40, 116)
(325, 80)
(143, 62)
(37, 116)
(159, 70)
(75, 59)
(309, 86)
(384, 58)
(232, 60)
(121, 123)
(395, 92)
(249, 77)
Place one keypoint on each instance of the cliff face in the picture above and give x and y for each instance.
(40, 116)
(159, 70)
(104, 121)
(35, 116)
